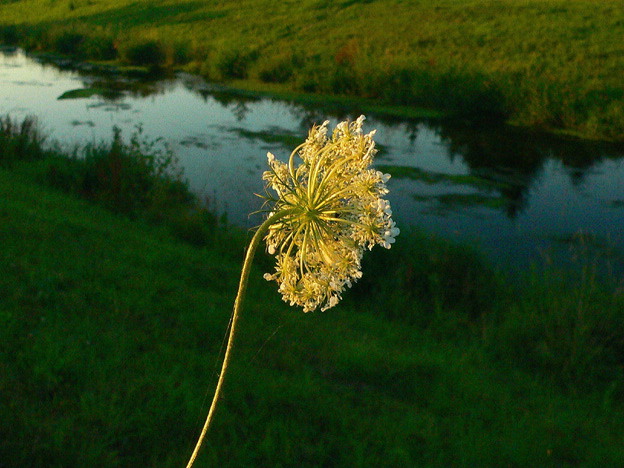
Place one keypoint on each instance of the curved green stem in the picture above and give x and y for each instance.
(242, 286)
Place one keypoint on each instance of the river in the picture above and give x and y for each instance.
(518, 196)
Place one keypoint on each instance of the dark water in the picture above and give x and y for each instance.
(518, 196)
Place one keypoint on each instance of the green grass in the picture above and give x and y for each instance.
(111, 330)
(549, 64)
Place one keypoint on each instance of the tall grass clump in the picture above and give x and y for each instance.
(139, 178)
(461, 92)
(69, 43)
(20, 140)
(135, 177)
(277, 69)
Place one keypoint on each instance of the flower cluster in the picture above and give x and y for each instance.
(329, 209)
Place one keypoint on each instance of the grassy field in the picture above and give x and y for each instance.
(112, 322)
(548, 64)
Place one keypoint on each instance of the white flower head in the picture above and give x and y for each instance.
(332, 210)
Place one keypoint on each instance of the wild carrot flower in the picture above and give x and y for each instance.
(327, 211)
(332, 209)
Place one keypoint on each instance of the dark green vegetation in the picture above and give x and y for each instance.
(84, 93)
(139, 178)
(549, 64)
(490, 196)
(111, 327)
(19, 141)
(431, 177)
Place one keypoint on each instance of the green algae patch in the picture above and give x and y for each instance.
(85, 93)
(432, 177)
(453, 200)
(471, 199)
(287, 139)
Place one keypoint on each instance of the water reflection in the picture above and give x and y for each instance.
(514, 192)
(517, 158)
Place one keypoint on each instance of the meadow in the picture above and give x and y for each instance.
(114, 304)
(552, 65)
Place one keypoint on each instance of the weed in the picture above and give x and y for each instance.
(129, 178)
(20, 141)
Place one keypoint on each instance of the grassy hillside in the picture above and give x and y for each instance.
(111, 330)
(550, 64)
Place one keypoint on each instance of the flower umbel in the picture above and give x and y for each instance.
(331, 209)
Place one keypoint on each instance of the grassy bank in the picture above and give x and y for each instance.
(549, 64)
(111, 327)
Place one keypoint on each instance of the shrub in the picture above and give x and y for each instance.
(69, 43)
(181, 54)
(277, 71)
(9, 34)
(234, 63)
(99, 47)
(146, 53)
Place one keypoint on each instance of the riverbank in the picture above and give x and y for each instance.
(549, 65)
(111, 326)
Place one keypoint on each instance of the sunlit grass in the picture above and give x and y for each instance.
(551, 64)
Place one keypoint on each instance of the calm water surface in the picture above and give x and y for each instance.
(516, 195)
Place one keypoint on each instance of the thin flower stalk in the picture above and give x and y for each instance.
(242, 288)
